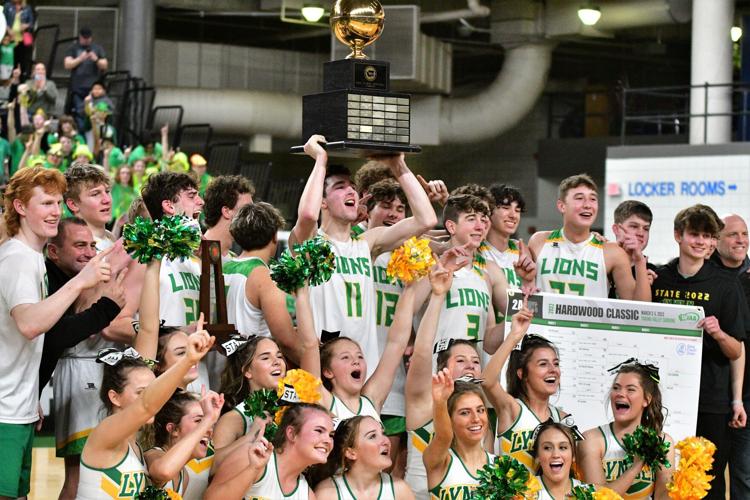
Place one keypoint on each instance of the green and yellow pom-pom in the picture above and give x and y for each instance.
(303, 387)
(691, 480)
(588, 492)
(505, 478)
(174, 237)
(410, 261)
(313, 262)
(647, 444)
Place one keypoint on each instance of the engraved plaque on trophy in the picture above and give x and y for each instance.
(356, 112)
(211, 267)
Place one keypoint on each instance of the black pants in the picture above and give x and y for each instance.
(715, 428)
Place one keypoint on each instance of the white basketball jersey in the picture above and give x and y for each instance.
(268, 487)
(416, 475)
(346, 303)
(613, 464)
(179, 291)
(458, 482)
(463, 314)
(386, 298)
(247, 318)
(504, 260)
(572, 268)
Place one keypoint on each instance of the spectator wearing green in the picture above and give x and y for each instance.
(123, 191)
(66, 126)
(7, 60)
(198, 165)
(82, 154)
(54, 158)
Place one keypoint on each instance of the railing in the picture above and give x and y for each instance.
(666, 110)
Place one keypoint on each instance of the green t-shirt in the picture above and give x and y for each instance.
(4, 154)
(6, 54)
(16, 153)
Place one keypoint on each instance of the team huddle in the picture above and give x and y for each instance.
(411, 403)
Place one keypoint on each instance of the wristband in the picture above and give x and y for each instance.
(736, 402)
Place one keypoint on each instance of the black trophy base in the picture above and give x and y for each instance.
(362, 149)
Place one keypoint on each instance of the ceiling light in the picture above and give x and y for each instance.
(735, 33)
(589, 15)
(312, 12)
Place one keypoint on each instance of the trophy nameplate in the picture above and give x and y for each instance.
(356, 112)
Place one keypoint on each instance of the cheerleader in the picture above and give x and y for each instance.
(459, 357)
(456, 451)
(112, 462)
(304, 438)
(635, 399)
(533, 377)
(361, 452)
(260, 364)
(183, 455)
(344, 369)
(555, 451)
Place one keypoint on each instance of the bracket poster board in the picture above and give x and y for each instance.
(593, 335)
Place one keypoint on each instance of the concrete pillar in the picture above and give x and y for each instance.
(137, 34)
(711, 61)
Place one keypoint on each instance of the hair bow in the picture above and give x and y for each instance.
(650, 369)
(568, 421)
(469, 379)
(445, 344)
(112, 356)
(234, 344)
(531, 339)
(325, 336)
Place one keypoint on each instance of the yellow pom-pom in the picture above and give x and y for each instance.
(411, 261)
(606, 494)
(691, 481)
(306, 389)
(532, 487)
(173, 495)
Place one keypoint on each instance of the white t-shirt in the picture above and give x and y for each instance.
(24, 281)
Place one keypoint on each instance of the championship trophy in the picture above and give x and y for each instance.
(211, 273)
(356, 112)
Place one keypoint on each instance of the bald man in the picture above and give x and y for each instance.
(731, 254)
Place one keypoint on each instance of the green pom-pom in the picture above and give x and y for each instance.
(180, 236)
(583, 492)
(502, 479)
(320, 260)
(152, 493)
(174, 237)
(140, 240)
(313, 262)
(263, 403)
(647, 444)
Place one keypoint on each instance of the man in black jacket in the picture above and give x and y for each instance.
(67, 253)
(731, 254)
(691, 280)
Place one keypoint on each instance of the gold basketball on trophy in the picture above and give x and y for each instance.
(357, 23)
